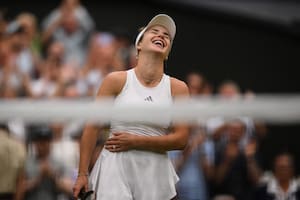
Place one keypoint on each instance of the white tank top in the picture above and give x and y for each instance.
(137, 174)
(134, 93)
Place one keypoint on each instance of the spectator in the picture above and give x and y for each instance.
(12, 158)
(229, 90)
(29, 22)
(18, 59)
(237, 169)
(102, 51)
(10, 48)
(282, 184)
(65, 151)
(196, 83)
(47, 83)
(70, 24)
(43, 174)
(29, 57)
(195, 166)
(216, 126)
(123, 48)
(132, 60)
(11, 77)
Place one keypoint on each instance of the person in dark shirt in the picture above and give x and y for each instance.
(282, 185)
(237, 170)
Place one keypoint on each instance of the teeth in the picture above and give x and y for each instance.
(158, 42)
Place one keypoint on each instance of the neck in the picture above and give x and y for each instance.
(284, 185)
(149, 71)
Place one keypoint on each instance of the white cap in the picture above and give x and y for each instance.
(162, 20)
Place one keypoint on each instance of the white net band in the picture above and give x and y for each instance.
(268, 108)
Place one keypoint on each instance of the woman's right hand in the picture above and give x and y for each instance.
(120, 141)
(81, 183)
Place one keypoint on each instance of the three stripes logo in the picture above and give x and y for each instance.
(149, 98)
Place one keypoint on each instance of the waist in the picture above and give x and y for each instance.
(138, 129)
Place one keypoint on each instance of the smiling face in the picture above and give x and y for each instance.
(284, 167)
(156, 39)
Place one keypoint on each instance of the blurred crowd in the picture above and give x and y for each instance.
(64, 56)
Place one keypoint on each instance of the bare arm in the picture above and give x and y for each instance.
(87, 145)
(231, 153)
(111, 86)
(19, 194)
(208, 168)
(90, 134)
(254, 171)
(172, 141)
(47, 34)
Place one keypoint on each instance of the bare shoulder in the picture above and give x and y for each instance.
(118, 76)
(112, 84)
(178, 87)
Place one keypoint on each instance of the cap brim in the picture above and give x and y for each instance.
(162, 20)
(165, 21)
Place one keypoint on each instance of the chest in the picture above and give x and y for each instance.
(134, 93)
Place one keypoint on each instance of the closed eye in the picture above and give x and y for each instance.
(166, 35)
(156, 31)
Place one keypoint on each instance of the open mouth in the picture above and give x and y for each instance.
(159, 43)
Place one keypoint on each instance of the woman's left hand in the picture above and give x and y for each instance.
(120, 142)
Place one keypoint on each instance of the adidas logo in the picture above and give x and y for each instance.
(149, 98)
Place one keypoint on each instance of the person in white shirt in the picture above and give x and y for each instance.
(282, 183)
(134, 163)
